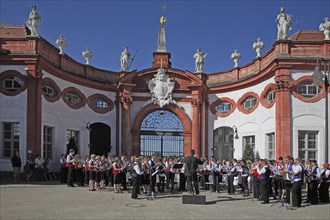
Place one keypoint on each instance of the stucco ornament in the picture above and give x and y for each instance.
(61, 43)
(235, 56)
(87, 54)
(33, 22)
(258, 46)
(161, 89)
(325, 27)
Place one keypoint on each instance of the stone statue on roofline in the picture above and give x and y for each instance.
(125, 59)
(33, 22)
(284, 23)
(199, 60)
(258, 46)
(61, 43)
(235, 56)
(87, 54)
(325, 27)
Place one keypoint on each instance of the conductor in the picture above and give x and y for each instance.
(191, 163)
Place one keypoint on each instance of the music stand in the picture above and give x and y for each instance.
(178, 166)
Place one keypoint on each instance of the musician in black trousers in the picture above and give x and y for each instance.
(69, 164)
(297, 183)
(288, 183)
(264, 172)
(135, 170)
(152, 164)
(191, 164)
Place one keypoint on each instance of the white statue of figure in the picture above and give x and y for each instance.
(235, 56)
(284, 23)
(258, 46)
(199, 62)
(325, 27)
(33, 22)
(125, 59)
(87, 54)
(61, 43)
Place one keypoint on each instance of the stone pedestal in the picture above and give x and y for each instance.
(193, 199)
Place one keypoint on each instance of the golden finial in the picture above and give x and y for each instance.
(162, 20)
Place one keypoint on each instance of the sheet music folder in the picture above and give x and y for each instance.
(177, 166)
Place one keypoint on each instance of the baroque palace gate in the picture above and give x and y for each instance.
(162, 133)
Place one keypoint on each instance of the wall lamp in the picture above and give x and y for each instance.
(320, 79)
(235, 132)
(88, 126)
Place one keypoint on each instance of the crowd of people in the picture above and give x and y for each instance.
(282, 179)
(34, 169)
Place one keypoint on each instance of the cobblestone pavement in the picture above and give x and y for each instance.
(54, 201)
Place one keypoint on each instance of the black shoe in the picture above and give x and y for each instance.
(264, 202)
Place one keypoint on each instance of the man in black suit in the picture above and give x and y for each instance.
(191, 163)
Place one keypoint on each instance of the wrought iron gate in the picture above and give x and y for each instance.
(162, 133)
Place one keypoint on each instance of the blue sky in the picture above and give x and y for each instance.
(217, 27)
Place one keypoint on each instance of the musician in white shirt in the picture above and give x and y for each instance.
(297, 183)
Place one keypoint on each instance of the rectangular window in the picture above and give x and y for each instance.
(270, 96)
(48, 142)
(248, 140)
(307, 145)
(224, 107)
(307, 89)
(72, 134)
(11, 133)
(270, 142)
(250, 102)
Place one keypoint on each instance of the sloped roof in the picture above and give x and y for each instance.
(307, 35)
(13, 31)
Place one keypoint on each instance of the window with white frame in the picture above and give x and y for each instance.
(11, 135)
(49, 90)
(12, 83)
(224, 107)
(72, 134)
(249, 102)
(101, 104)
(248, 140)
(307, 145)
(48, 142)
(270, 142)
(73, 98)
(270, 96)
(307, 89)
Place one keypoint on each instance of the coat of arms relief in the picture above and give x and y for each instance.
(161, 89)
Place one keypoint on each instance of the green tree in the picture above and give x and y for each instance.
(248, 153)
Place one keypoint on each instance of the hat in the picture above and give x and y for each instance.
(326, 165)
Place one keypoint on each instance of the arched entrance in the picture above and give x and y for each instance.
(100, 139)
(223, 143)
(162, 133)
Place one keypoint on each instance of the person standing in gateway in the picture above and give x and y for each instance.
(191, 163)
